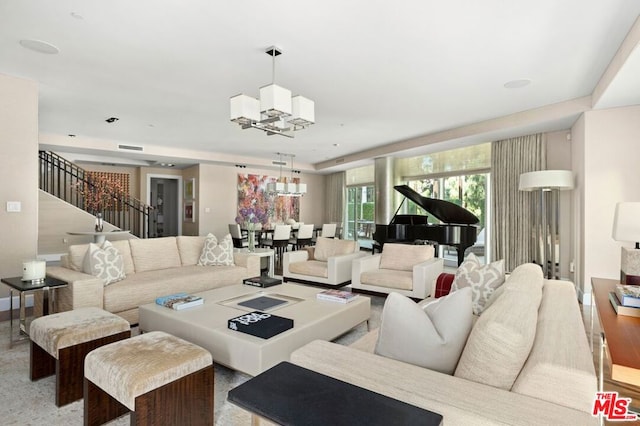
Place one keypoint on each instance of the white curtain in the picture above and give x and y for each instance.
(335, 197)
(512, 217)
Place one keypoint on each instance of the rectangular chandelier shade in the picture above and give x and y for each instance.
(303, 111)
(244, 109)
(275, 101)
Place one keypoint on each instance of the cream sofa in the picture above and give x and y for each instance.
(154, 267)
(411, 270)
(555, 385)
(328, 263)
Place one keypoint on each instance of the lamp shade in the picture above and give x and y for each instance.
(275, 101)
(244, 109)
(626, 222)
(546, 180)
(303, 111)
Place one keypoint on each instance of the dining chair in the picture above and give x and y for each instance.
(304, 237)
(279, 242)
(236, 235)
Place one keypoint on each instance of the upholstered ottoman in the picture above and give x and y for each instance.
(60, 342)
(159, 378)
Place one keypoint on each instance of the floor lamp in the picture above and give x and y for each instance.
(548, 183)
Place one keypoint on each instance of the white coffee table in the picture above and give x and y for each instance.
(206, 325)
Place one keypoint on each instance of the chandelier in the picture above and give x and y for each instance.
(276, 112)
(285, 188)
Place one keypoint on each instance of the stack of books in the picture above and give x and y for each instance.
(336, 296)
(626, 300)
(179, 301)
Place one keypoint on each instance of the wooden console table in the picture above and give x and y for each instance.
(620, 336)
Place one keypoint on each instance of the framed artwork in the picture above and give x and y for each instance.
(189, 211)
(189, 188)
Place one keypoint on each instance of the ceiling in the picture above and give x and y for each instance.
(386, 77)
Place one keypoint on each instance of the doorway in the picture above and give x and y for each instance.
(163, 197)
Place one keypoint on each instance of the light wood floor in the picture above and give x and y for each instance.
(624, 390)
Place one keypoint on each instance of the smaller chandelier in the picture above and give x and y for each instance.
(284, 188)
(276, 112)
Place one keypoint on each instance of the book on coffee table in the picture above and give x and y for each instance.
(262, 281)
(260, 324)
(179, 301)
(339, 296)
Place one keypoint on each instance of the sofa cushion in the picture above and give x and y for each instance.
(502, 337)
(190, 248)
(104, 262)
(141, 288)
(216, 253)
(431, 336)
(327, 247)
(154, 253)
(401, 280)
(560, 366)
(313, 268)
(483, 280)
(403, 257)
(78, 251)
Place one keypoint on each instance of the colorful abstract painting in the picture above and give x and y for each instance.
(256, 205)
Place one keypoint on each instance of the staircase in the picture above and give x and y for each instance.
(68, 182)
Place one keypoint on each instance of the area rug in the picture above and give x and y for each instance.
(32, 403)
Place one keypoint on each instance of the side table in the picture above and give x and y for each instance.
(98, 237)
(291, 395)
(262, 252)
(47, 286)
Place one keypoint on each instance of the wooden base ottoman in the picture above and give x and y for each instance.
(60, 342)
(159, 378)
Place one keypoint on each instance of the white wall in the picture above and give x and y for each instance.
(610, 173)
(18, 174)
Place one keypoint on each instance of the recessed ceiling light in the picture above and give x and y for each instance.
(112, 119)
(76, 15)
(336, 144)
(40, 46)
(516, 84)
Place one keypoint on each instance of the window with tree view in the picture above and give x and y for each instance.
(460, 176)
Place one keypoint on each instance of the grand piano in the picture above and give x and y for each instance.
(458, 228)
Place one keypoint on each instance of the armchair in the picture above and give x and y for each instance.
(327, 264)
(411, 270)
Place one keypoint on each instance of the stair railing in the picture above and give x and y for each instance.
(65, 180)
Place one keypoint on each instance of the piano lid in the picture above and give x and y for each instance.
(444, 211)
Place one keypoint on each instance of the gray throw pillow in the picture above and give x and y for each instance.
(104, 262)
(432, 335)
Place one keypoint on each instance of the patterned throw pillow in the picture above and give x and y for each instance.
(483, 280)
(104, 262)
(216, 253)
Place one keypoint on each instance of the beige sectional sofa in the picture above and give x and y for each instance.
(153, 267)
(520, 365)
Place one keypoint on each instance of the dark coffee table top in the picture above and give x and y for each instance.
(291, 395)
(18, 284)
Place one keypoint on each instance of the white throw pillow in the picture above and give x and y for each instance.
(432, 336)
(216, 253)
(483, 280)
(104, 262)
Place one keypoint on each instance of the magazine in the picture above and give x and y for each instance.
(336, 296)
(179, 301)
